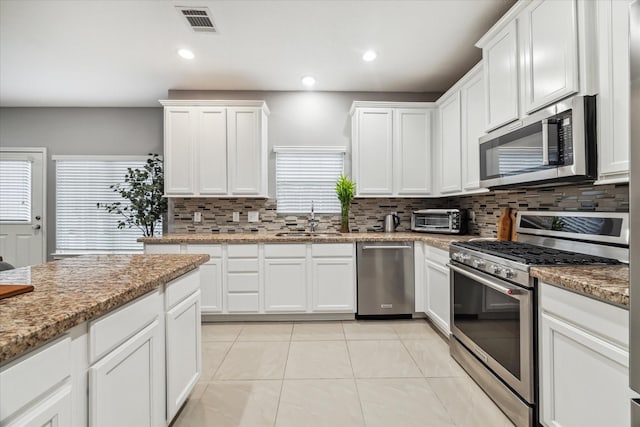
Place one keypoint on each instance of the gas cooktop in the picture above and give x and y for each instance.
(528, 254)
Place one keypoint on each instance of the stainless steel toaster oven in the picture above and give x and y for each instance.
(447, 221)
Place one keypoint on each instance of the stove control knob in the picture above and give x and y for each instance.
(465, 257)
(455, 255)
(508, 273)
(495, 269)
(478, 263)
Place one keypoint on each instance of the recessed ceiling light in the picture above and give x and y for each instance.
(308, 81)
(186, 54)
(369, 56)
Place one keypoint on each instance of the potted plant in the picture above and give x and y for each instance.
(144, 189)
(345, 190)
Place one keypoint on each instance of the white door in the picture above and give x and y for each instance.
(333, 285)
(413, 151)
(450, 162)
(211, 148)
(245, 150)
(473, 125)
(179, 142)
(438, 295)
(285, 284)
(373, 151)
(211, 285)
(22, 206)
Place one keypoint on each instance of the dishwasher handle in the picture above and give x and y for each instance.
(364, 248)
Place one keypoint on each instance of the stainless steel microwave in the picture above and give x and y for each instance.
(448, 221)
(556, 144)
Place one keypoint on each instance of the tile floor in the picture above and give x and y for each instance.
(334, 374)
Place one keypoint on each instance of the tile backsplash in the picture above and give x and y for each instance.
(217, 214)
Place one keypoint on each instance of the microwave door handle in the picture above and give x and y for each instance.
(545, 142)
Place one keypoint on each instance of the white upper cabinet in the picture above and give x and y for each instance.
(450, 152)
(211, 147)
(373, 151)
(391, 144)
(215, 148)
(613, 95)
(179, 144)
(549, 41)
(500, 57)
(412, 134)
(472, 126)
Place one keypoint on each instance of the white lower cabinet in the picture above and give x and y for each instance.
(123, 386)
(584, 361)
(437, 288)
(285, 284)
(210, 277)
(183, 351)
(54, 409)
(333, 285)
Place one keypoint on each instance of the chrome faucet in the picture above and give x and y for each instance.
(313, 222)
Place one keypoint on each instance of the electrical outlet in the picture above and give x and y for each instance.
(254, 216)
(236, 217)
(197, 217)
(472, 216)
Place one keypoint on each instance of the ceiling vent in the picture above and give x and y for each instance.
(198, 18)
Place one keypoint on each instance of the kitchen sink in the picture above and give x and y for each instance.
(306, 234)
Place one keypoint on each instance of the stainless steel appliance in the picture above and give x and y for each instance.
(385, 278)
(494, 300)
(634, 208)
(557, 144)
(391, 222)
(448, 221)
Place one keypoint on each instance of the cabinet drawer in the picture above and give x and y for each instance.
(214, 251)
(161, 249)
(242, 251)
(285, 250)
(242, 302)
(31, 375)
(332, 250)
(243, 282)
(182, 287)
(242, 265)
(111, 330)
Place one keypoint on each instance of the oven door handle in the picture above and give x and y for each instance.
(507, 290)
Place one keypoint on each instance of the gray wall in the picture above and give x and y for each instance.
(89, 131)
(306, 118)
(297, 118)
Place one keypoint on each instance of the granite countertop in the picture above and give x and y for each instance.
(441, 241)
(609, 283)
(74, 290)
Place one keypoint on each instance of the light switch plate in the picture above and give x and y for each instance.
(236, 217)
(254, 216)
(197, 217)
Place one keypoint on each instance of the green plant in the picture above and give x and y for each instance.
(345, 190)
(144, 189)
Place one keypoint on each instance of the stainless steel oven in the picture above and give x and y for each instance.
(494, 320)
(557, 144)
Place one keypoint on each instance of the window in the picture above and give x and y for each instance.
(309, 174)
(15, 188)
(81, 183)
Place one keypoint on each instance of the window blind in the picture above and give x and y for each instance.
(304, 176)
(15, 191)
(80, 225)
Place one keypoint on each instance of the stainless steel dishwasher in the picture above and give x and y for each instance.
(385, 278)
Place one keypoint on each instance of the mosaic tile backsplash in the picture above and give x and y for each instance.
(367, 214)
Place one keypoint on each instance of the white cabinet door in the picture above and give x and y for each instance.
(373, 151)
(584, 379)
(450, 173)
(412, 143)
(245, 150)
(438, 295)
(473, 126)
(212, 150)
(500, 57)
(211, 286)
(179, 142)
(333, 285)
(183, 352)
(54, 409)
(124, 386)
(550, 51)
(613, 95)
(285, 284)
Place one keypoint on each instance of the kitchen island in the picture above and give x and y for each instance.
(106, 324)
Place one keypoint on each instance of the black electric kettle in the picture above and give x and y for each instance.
(391, 222)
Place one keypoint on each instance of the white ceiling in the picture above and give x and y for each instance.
(123, 53)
